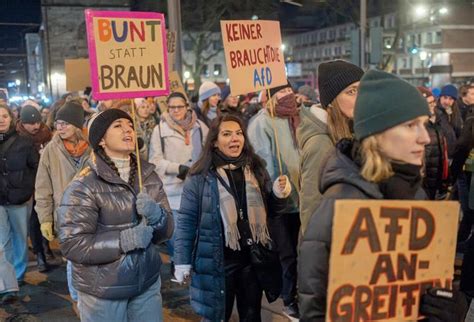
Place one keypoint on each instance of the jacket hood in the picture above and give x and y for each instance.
(311, 125)
(340, 168)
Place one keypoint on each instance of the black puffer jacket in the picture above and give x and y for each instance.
(340, 179)
(95, 207)
(18, 163)
(437, 152)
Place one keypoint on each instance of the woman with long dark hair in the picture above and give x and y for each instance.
(224, 211)
(110, 231)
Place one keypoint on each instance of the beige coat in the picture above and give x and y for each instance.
(56, 169)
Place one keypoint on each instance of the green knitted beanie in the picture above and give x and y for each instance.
(384, 101)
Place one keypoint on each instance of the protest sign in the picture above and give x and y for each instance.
(77, 74)
(385, 254)
(253, 55)
(127, 52)
(175, 86)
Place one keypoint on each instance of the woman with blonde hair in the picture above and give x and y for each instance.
(62, 158)
(383, 162)
(323, 125)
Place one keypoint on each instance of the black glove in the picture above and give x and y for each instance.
(182, 172)
(443, 305)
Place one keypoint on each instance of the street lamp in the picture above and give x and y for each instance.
(443, 10)
(421, 11)
(17, 82)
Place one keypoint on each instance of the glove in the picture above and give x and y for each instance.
(149, 208)
(182, 272)
(443, 305)
(47, 230)
(183, 171)
(280, 192)
(138, 237)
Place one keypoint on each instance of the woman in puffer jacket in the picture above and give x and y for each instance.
(110, 232)
(384, 162)
(226, 208)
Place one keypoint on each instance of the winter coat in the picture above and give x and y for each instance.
(55, 171)
(96, 206)
(200, 241)
(174, 153)
(262, 137)
(340, 179)
(314, 144)
(454, 120)
(18, 164)
(436, 158)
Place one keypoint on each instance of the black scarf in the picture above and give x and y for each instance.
(404, 183)
(219, 159)
(5, 136)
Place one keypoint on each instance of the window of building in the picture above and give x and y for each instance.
(429, 38)
(437, 38)
(322, 36)
(337, 51)
(404, 63)
(205, 70)
(332, 34)
(217, 69)
(342, 32)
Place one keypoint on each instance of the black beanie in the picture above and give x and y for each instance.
(71, 112)
(30, 115)
(334, 76)
(274, 90)
(100, 123)
(384, 101)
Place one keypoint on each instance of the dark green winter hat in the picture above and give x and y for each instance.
(384, 101)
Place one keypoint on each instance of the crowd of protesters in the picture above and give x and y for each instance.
(240, 187)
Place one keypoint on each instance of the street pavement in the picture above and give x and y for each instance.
(45, 297)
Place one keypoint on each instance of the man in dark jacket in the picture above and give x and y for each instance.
(30, 125)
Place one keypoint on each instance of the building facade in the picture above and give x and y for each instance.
(431, 49)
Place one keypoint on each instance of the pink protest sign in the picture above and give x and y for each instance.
(127, 53)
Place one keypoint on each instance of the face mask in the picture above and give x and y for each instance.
(287, 102)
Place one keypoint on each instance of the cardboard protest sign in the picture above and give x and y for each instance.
(175, 86)
(253, 55)
(385, 254)
(127, 52)
(78, 75)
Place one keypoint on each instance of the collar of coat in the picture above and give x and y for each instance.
(102, 170)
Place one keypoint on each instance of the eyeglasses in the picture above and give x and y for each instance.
(60, 124)
(176, 107)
